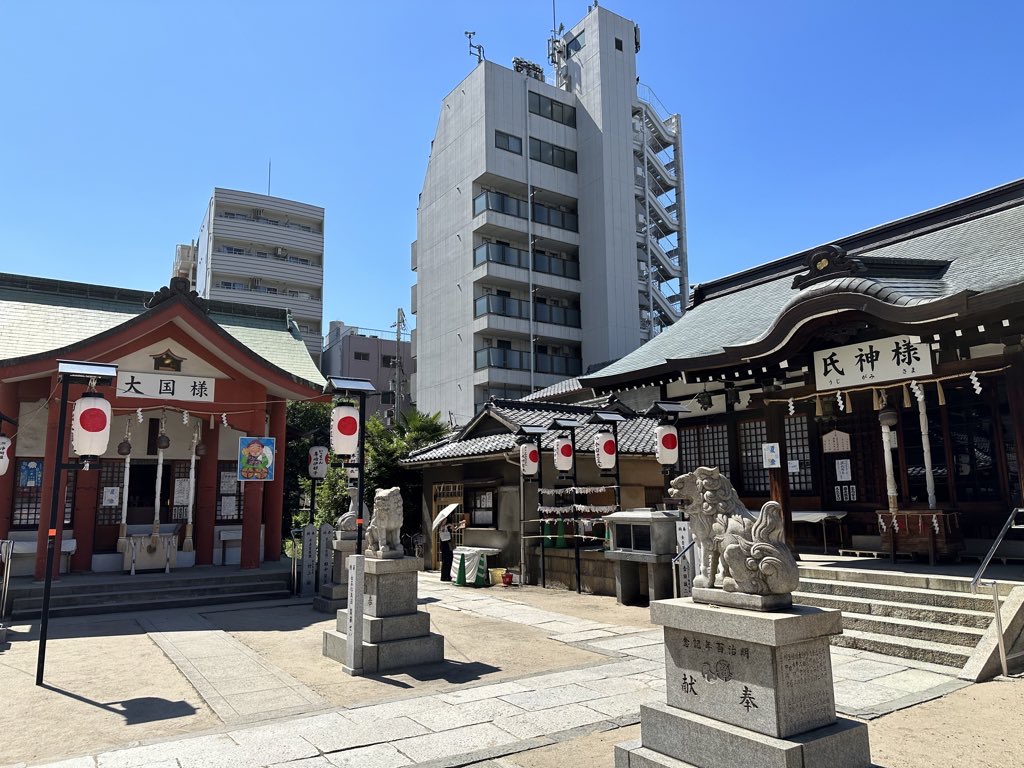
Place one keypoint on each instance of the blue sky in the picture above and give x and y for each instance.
(803, 121)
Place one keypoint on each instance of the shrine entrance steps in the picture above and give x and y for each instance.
(89, 594)
(935, 620)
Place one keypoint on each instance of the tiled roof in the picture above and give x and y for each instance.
(40, 315)
(563, 387)
(636, 434)
(983, 248)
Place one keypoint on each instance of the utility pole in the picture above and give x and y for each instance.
(399, 370)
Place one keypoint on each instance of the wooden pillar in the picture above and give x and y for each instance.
(273, 498)
(84, 518)
(1014, 356)
(778, 479)
(252, 505)
(206, 495)
(47, 490)
(9, 406)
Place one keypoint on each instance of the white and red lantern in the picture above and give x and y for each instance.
(5, 454)
(605, 449)
(90, 425)
(344, 430)
(318, 462)
(563, 453)
(666, 445)
(529, 459)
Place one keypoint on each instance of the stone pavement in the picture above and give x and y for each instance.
(475, 725)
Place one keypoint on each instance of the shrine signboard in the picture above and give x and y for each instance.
(165, 386)
(895, 358)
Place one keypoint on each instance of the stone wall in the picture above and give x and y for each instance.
(597, 572)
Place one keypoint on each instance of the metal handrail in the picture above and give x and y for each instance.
(996, 608)
(6, 553)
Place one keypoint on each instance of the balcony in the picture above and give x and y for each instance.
(558, 218)
(546, 313)
(282, 269)
(497, 253)
(516, 360)
(518, 308)
(264, 297)
(269, 231)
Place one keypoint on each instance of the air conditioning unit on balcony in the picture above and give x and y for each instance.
(487, 291)
(279, 251)
(257, 213)
(257, 282)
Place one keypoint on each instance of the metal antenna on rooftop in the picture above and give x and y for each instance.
(475, 50)
(268, 176)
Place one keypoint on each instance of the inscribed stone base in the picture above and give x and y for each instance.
(671, 737)
(741, 599)
(391, 655)
(323, 604)
(770, 673)
(389, 587)
(342, 549)
(392, 628)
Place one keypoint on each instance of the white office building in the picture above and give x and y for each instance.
(550, 229)
(263, 251)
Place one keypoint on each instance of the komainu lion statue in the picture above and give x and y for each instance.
(752, 553)
(384, 531)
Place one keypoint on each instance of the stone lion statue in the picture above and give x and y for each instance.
(751, 553)
(384, 531)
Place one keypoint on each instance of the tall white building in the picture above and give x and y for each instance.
(510, 296)
(263, 251)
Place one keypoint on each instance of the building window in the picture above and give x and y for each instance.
(705, 446)
(508, 142)
(27, 491)
(229, 508)
(361, 356)
(552, 110)
(111, 476)
(798, 448)
(387, 398)
(563, 217)
(618, 43)
(575, 45)
(388, 361)
(753, 475)
(480, 505)
(552, 154)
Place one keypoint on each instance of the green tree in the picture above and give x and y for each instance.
(307, 425)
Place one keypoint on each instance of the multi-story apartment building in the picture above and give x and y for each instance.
(262, 251)
(363, 353)
(550, 229)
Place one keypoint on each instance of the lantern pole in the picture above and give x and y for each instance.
(361, 464)
(93, 373)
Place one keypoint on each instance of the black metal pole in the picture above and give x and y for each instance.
(362, 472)
(575, 522)
(51, 534)
(540, 519)
(312, 518)
(618, 464)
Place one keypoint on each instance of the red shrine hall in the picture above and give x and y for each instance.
(201, 386)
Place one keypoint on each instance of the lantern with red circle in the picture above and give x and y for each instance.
(605, 449)
(5, 453)
(344, 430)
(90, 425)
(529, 459)
(666, 445)
(563, 453)
(318, 462)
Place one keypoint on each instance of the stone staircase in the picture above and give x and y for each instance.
(90, 594)
(930, 619)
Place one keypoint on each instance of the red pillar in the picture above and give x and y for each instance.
(84, 518)
(9, 405)
(47, 490)
(252, 509)
(206, 495)
(273, 497)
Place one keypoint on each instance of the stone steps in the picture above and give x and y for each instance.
(896, 579)
(965, 637)
(898, 594)
(896, 610)
(943, 654)
(192, 601)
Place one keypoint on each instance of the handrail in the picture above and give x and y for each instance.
(679, 556)
(992, 550)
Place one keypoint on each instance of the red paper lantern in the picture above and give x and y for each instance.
(90, 425)
(605, 449)
(344, 430)
(563, 454)
(666, 445)
(529, 459)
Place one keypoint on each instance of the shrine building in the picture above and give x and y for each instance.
(196, 380)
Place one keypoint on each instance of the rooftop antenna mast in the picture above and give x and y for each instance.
(475, 50)
(556, 31)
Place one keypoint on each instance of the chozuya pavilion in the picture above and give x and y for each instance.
(194, 379)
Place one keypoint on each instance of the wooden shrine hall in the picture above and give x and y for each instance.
(197, 383)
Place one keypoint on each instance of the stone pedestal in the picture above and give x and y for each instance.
(746, 688)
(396, 635)
(334, 594)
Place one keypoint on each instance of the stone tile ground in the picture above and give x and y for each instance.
(467, 724)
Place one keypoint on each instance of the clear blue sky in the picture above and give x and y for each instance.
(803, 121)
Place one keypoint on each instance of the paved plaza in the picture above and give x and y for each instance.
(258, 714)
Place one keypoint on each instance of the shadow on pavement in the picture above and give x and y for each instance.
(145, 709)
(452, 671)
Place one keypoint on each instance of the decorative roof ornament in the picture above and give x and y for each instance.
(179, 286)
(827, 263)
